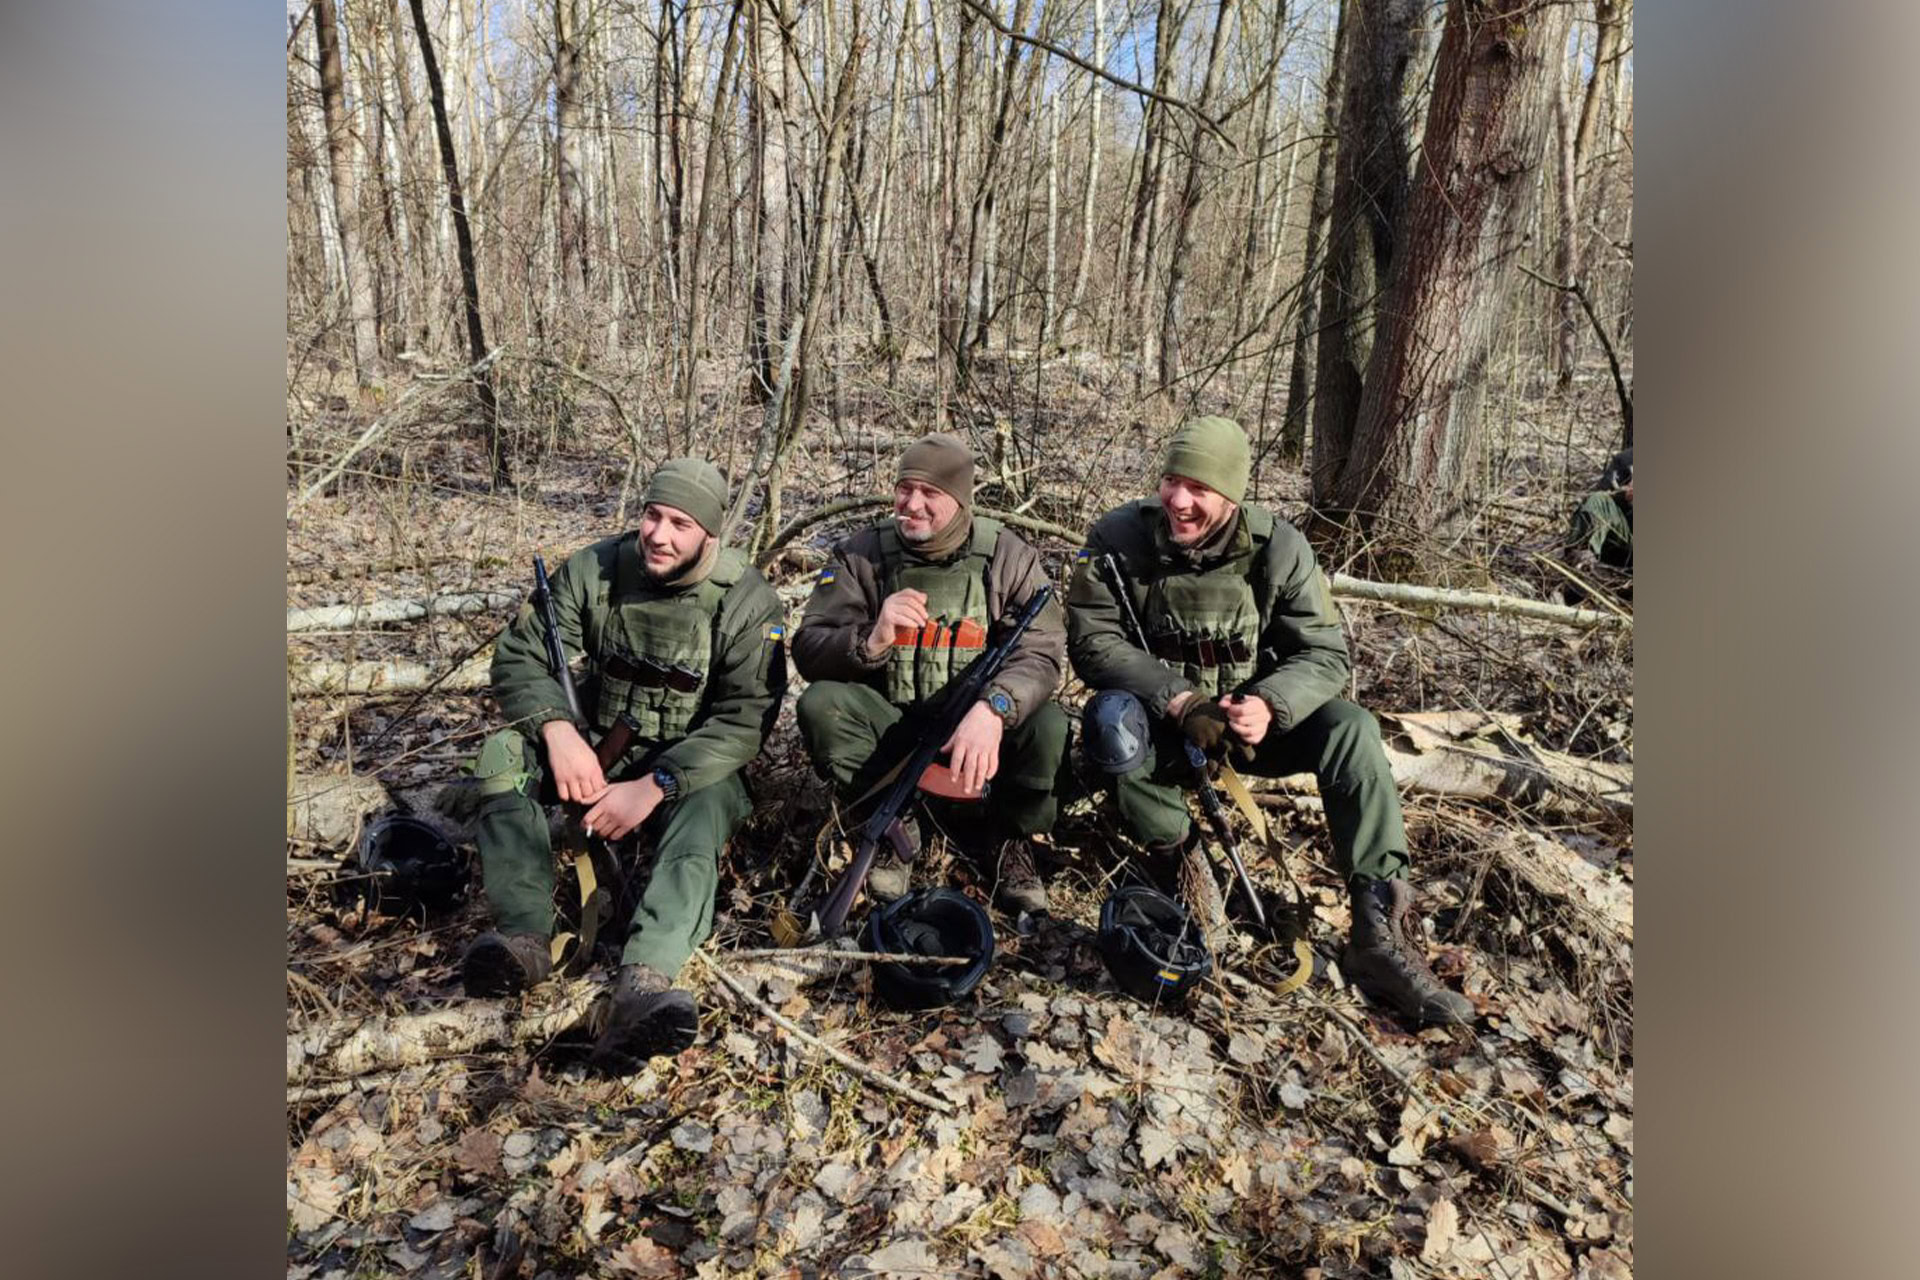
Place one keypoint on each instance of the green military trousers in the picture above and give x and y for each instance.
(1339, 744)
(855, 735)
(675, 911)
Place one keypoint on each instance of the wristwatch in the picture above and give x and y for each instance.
(668, 784)
(1000, 702)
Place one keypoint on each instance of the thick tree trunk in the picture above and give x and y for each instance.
(696, 336)
(1369, 190)
(333, 107)
(1418, 423)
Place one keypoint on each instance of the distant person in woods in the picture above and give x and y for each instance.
(1245, 652)
(684, 640)
(900, 609)
(1600, 536)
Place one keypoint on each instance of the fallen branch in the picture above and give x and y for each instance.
(859, 1068)
(355, 1047)
(419, 389)
(1348, 588)
(341, 617)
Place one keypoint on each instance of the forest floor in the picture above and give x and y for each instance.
(1082, 1133)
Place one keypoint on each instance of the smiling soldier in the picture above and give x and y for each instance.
(1244, 650)
(683, 642)
(899, 610)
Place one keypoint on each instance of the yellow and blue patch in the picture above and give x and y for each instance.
(827, 575)
(776, 632)
(1084, 553)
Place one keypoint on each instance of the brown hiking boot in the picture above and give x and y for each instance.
(505, 964)
(647, 1017)
(1386, 957)
(1018, 884)
(889, 877)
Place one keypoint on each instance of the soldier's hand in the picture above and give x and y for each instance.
(904, 608)
(576, 770)
(1205, 723)
(975, 747)
(623, 806)
(1249, 717)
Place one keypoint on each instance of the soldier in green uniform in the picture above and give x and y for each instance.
(1600, 535)
(1246, 652)
(898, 610)
(684, 638)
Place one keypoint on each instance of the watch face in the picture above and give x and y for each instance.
(1000, 703)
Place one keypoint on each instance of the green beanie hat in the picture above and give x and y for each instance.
(694, 486)
(1214, 451)
(943, 461)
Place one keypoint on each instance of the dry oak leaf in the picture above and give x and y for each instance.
(641, 1256)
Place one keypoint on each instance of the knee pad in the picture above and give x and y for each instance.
(501, 767)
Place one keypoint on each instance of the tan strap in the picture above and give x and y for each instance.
(594, 902)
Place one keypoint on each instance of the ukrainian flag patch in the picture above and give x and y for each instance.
(1084, 553)
(776, 631)
(826, 575)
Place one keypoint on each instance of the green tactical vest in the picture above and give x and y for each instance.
(918, 665)
(652, 655)
(1205, 625)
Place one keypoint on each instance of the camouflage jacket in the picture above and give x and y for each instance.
(700, 669)
(1257, 618)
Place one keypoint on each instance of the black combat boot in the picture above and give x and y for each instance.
(505, 964)
(1018, 884)
(1385, 956)
(1161, 862)
(647, 1017)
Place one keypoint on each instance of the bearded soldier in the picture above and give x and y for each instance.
(901, 608)
(1245, 651)
(683, 641)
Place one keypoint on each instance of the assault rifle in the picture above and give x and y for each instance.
(596, 903)
(1196, 758)
(944, 717)
(610, 748)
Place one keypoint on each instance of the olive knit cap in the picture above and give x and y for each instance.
(943, 461)
(1212, 450)
(694, 486)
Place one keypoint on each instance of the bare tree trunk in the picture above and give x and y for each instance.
(1277, 231)
(1190, 194)
(571, 209)
(1419, 420)
(1048, 289)
(333, 107)
(1293, 430)
(469, 271)
(767, 123)
(1606, 54)
(696, 338)
(1094, 147)
(1369, 191)
(1566, 267)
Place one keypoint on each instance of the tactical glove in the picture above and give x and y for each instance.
(1205, 724)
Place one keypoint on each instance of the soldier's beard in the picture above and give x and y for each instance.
(687, 569)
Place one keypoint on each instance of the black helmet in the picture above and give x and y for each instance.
(1113, 731)
(929, 922)
(1152, 949)
(406, 865)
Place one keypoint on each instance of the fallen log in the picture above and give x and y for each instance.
(1454, 754)
(353, 1047)
(324, 676)
(1602, 904)
(341, 617)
